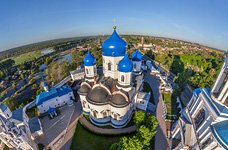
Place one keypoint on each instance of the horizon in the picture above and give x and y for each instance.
(192, 42)
(33, 22)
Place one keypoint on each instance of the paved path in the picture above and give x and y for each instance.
(54, 128)
(161, 142)
(65, 145)
(96, 129)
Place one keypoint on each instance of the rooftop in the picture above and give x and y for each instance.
(52, 93)
(34, 125)
(3, 107)
(220, 133)
(17, 116)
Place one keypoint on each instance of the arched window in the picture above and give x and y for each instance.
(95, 114)
(87, 71)
(83, 104)
(109, 66)
(135, 66)
(122, 78)
(115, 116)
(199, 118)
(104, 114)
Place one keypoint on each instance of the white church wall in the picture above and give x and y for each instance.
(114, 66)
(121, 111)
(124, 78)
(137, 66)
(99, 109)
(90, 71)
(84, 103)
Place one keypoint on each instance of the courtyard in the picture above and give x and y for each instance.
(54, 129)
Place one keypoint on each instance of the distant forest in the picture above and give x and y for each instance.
(37, 46)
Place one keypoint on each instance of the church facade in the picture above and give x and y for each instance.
(204, 122)
(109, 96)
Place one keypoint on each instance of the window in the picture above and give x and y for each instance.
(95, 70)
(135, 66)
(83, 104)
(115, 116)
(14, 131)
(109, 66)
(87, 71)
(104, 114)
(206, 143)
(199, 118)
(122, 78)
(142, 102)
(95, 114)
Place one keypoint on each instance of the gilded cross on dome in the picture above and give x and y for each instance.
(114, 27)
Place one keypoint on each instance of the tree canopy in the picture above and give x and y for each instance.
(146, 125)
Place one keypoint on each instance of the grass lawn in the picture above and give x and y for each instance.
(170, 103)
(86, 140)
(33, 112)
(146, 88)
(27, 57)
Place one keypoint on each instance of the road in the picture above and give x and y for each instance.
(171, 76)
(161, 142)
(65, 145)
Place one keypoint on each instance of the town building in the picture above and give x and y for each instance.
(110, 95)
(203, 124)
(54, 97)
(17, 131)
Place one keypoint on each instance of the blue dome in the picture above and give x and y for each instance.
(44, 84)
(114, 46)
(125, 65)
(89, 59)
(137, 56)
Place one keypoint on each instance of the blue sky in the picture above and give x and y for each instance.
(28, 21)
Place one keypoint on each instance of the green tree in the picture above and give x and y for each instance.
(2, 75)
(133, 143)
(139, 118)
(77, 58)
(11, 103)
(146, 125)
(34, 86)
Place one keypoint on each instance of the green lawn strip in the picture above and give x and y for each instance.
(146, 88)
(27, 57)
(170, 103)
(86, 140)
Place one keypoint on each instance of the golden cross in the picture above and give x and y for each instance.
(114, 27)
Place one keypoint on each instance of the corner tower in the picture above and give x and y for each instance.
(113, 50)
